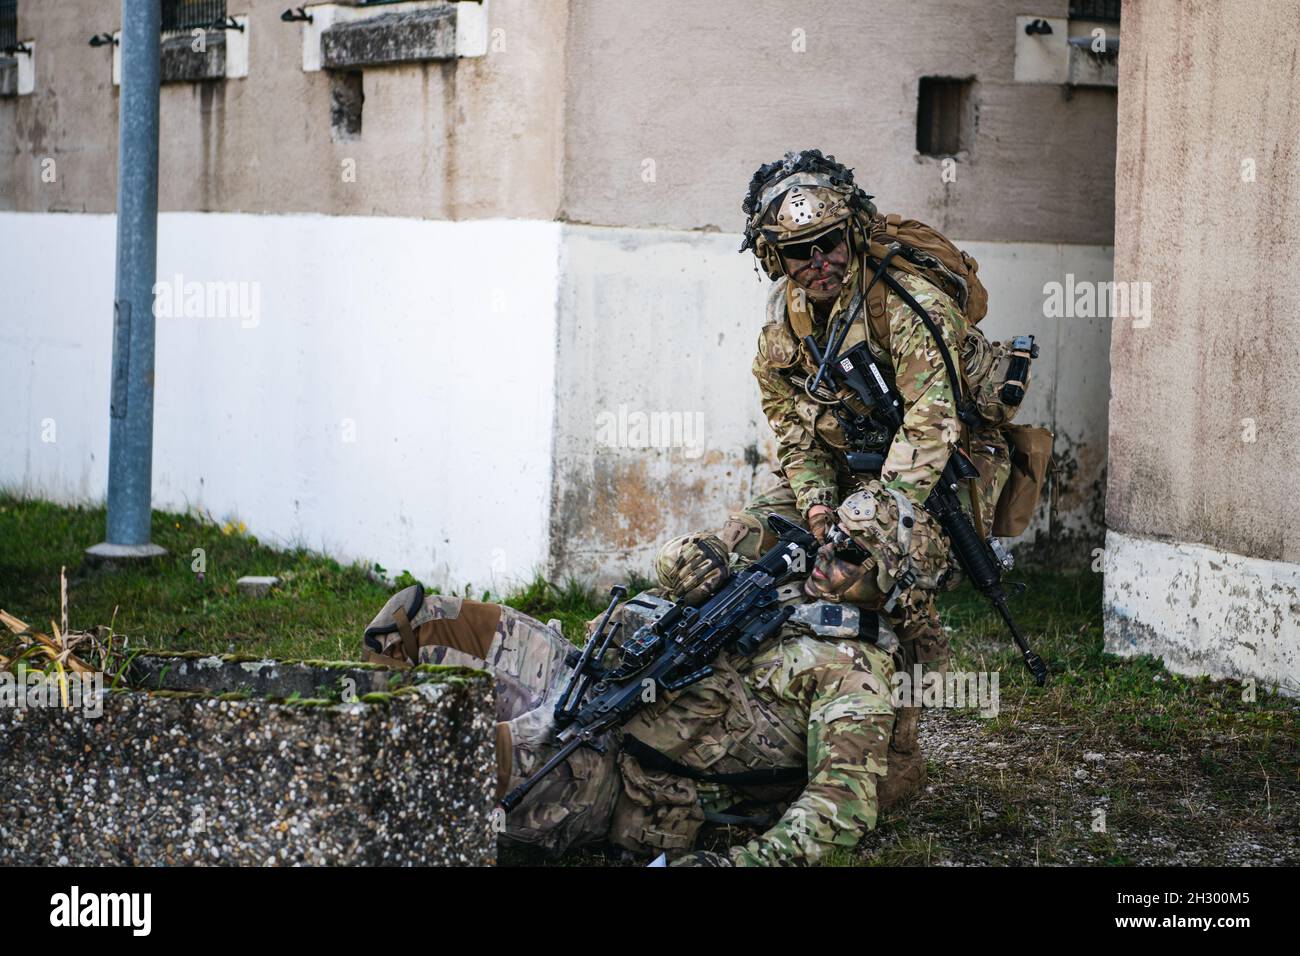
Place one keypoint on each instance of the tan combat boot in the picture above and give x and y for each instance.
(905, 774)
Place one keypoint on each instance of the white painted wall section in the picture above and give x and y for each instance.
(1070, 386)
(460, 400)
(1203, 611)
(383, 390)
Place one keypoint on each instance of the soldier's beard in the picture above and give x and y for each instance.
(820, 285)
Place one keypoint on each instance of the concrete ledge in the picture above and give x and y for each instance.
(405, 37)
(225, 56)
(223, 760)
(1203, 611)
(180, 63)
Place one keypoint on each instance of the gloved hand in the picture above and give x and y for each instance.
(820, 520)
(692, 568)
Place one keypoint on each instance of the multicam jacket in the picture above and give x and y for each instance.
(800, 701)
(810, 441)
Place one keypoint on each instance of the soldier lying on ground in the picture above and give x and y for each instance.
(814, 699)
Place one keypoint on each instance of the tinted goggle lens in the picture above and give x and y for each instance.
(803, 249)
(845, 548)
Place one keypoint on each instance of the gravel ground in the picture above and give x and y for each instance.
(1036, 796)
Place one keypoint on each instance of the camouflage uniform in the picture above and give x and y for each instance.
(811, 446)
(801, 700)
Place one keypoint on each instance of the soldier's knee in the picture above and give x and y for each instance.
(746, 535)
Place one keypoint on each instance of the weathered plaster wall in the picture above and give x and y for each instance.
(669, 111)
(654, 323)
(708, 91)
(474, 138)
(1203, 444)
(656, 312)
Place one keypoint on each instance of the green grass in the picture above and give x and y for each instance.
(318, 612)
(1129, 700)
(1227, 767)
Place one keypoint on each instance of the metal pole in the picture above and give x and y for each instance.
(130, 448)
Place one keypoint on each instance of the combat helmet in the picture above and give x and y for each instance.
(800, 197)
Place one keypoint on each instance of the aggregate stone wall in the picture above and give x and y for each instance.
(251, 763)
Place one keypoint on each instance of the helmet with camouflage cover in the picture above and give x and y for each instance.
(800, 197)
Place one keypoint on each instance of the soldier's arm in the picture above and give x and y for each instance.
(805, 461)
(850, 720)
(930, 428)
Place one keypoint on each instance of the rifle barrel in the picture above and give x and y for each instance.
(515, 796)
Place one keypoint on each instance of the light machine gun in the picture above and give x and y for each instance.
(674, 651)
(982, 561)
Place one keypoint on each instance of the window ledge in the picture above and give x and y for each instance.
(181, 63)
(347, 37)
(224, 57)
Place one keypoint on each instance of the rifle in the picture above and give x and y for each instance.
(674, 651)
(982, 561)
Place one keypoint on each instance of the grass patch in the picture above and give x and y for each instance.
(1186, 769)
(318, 612)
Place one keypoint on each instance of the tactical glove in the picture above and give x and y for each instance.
(692, 568)
(820, 520)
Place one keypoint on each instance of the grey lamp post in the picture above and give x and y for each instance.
(130, 447)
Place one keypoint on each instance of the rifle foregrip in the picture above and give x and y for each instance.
(971, 551)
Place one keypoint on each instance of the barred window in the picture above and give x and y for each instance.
(1095, 10)
(8, 25)
(191, 14)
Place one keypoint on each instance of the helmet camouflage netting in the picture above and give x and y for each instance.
(801, 195)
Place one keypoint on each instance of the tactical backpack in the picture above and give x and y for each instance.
(995, 375)
(928, 253)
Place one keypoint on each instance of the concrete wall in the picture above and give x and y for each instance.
(647, 308)
(344, 413)
(670, 109)
(479, 137)
(1203, 445)
(711, 90)
(656, 324)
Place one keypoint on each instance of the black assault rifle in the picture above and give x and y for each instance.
(982, 561)
(673, 651)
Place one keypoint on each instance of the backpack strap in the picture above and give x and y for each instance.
(965, 410)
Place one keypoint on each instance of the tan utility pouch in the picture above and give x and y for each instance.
(1031, 455)
(655, 811)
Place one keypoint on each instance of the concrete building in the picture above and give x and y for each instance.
(1203, 499)
(464, 299)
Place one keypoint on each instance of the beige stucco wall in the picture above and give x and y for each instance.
(1214, 85)
(655, 311)
(572, 96)
(475, 138)
(1202, 553)
(710, 90)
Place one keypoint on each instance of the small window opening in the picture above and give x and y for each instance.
(943, 120)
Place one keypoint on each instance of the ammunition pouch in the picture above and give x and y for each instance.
(997, 375)
(1031, 456)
